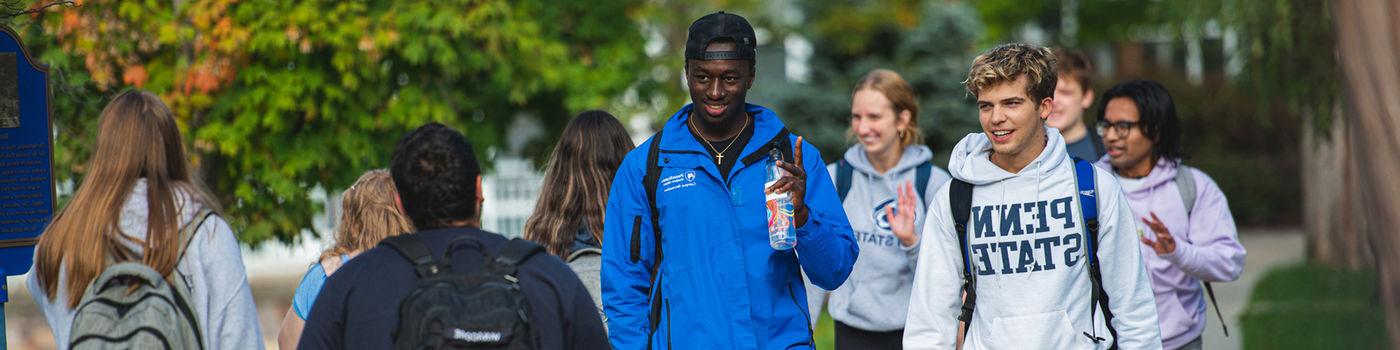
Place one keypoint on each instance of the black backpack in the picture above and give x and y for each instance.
(481, 309)
(960, 201)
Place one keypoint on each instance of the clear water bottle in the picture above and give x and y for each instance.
(782, 234)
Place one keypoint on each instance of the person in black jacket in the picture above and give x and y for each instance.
(439, 183)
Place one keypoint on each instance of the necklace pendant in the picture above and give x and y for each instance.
(719, 159)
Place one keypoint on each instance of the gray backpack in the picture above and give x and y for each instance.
(131, 306)
(1186, 183)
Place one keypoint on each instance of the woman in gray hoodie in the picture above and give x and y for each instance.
(137, 197)
(883, 181)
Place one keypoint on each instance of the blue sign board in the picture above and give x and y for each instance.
(26, 155)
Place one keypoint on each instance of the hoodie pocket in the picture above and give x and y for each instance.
(1174, 317)
(1049, 330)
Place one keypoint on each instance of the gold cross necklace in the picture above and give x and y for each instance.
(719, 155)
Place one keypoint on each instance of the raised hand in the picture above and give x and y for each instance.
(902, 220)
(794, 183)
(1164, 243)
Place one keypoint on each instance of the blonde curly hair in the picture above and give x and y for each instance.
(368, 215)
(1008, 62)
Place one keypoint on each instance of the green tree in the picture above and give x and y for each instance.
(279, 97)
(930, 44)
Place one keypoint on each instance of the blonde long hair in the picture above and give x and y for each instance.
(137, 137)
(368, 215)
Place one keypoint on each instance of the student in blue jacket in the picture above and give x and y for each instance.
(714, 282)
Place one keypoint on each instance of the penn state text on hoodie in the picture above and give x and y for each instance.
(1027, 248)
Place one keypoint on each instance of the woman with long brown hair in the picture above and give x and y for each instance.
(368, 215)
(131, 206)
(568, 216)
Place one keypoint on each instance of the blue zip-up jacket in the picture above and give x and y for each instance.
(722, 286)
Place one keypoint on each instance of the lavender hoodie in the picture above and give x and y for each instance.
(1207, 247)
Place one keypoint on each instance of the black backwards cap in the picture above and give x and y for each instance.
(717, 26)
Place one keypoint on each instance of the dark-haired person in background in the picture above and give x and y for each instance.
(1192, 238)
(439, 184)
(568, 217)
(1074, 93)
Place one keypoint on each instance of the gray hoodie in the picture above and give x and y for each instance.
(213, 266)
(876, 296)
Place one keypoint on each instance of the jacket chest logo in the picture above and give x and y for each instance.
(678, 181)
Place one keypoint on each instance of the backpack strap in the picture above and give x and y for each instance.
(1186, 183)
(513, 254)
(1089, 208)
(844, 171)
(411, 247)
(780, 141)
(580, 253)
(188, 232)
(649, 182)
(921, 177)
(960, 200)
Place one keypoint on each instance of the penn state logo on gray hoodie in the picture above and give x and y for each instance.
(876, 295)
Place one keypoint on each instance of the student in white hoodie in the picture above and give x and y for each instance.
(1026, 231)
(877, 180)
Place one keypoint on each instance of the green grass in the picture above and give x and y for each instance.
(825, 334)
(1314, 307)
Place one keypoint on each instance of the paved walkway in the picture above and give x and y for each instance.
(1268, 248)
(273, 283)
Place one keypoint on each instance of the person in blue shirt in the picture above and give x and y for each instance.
(368, 215)
(713, 281)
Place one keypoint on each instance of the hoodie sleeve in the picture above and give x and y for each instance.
(233, 318)
(1211, 250)
(935, 300)
(1125, 277)
(825, 243)
(627, 228)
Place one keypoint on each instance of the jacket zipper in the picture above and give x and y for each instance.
(668, 323)
(805, 316)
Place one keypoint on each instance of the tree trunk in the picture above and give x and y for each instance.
(1368, 40)
(1331, 198)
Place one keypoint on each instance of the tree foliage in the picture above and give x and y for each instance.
(280, 97)
(930, 44)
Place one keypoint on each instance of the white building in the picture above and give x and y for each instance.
(510, 195)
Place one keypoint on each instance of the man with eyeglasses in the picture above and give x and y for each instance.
(1192, 239)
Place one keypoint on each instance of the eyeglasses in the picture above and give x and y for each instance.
(1120, 128)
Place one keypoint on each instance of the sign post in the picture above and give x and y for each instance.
(26, 159)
